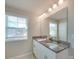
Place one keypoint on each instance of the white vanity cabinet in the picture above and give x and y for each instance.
(37, 49)
(42, 52)
(49, 54)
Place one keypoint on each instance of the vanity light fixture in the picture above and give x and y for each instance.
(54, 6)
(60, 2)
(50, 9)
(43, 15)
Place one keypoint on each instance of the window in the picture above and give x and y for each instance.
(53, 29)
(16, 27)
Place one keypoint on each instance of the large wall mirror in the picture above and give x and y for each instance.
(56, 25)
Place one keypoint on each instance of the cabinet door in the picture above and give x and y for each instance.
(63, 53)
(38, 50)
(35, 50)
(51, 55)
(48, 54)
(42, 52)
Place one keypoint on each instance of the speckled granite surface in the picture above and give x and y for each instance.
(61, 45)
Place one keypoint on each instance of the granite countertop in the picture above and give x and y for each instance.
(60, 45)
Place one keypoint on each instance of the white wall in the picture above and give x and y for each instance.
(45, 27)
(71, 22)
(19, 47)
(16, 48)
(63, 29)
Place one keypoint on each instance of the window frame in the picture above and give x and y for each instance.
(50, 29)
(19, 37)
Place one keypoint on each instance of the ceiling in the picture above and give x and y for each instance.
(62, 14)
(32, 6)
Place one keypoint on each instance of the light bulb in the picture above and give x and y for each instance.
(50, 9)
(54, 6)
(60, 2)
(43, 15)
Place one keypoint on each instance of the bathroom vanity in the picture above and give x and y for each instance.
(50, 50)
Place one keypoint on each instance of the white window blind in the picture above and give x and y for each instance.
(16, 27)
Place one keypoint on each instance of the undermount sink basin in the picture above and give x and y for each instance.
(55, 46)
(52, 45)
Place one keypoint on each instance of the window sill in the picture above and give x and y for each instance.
(15, 39)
